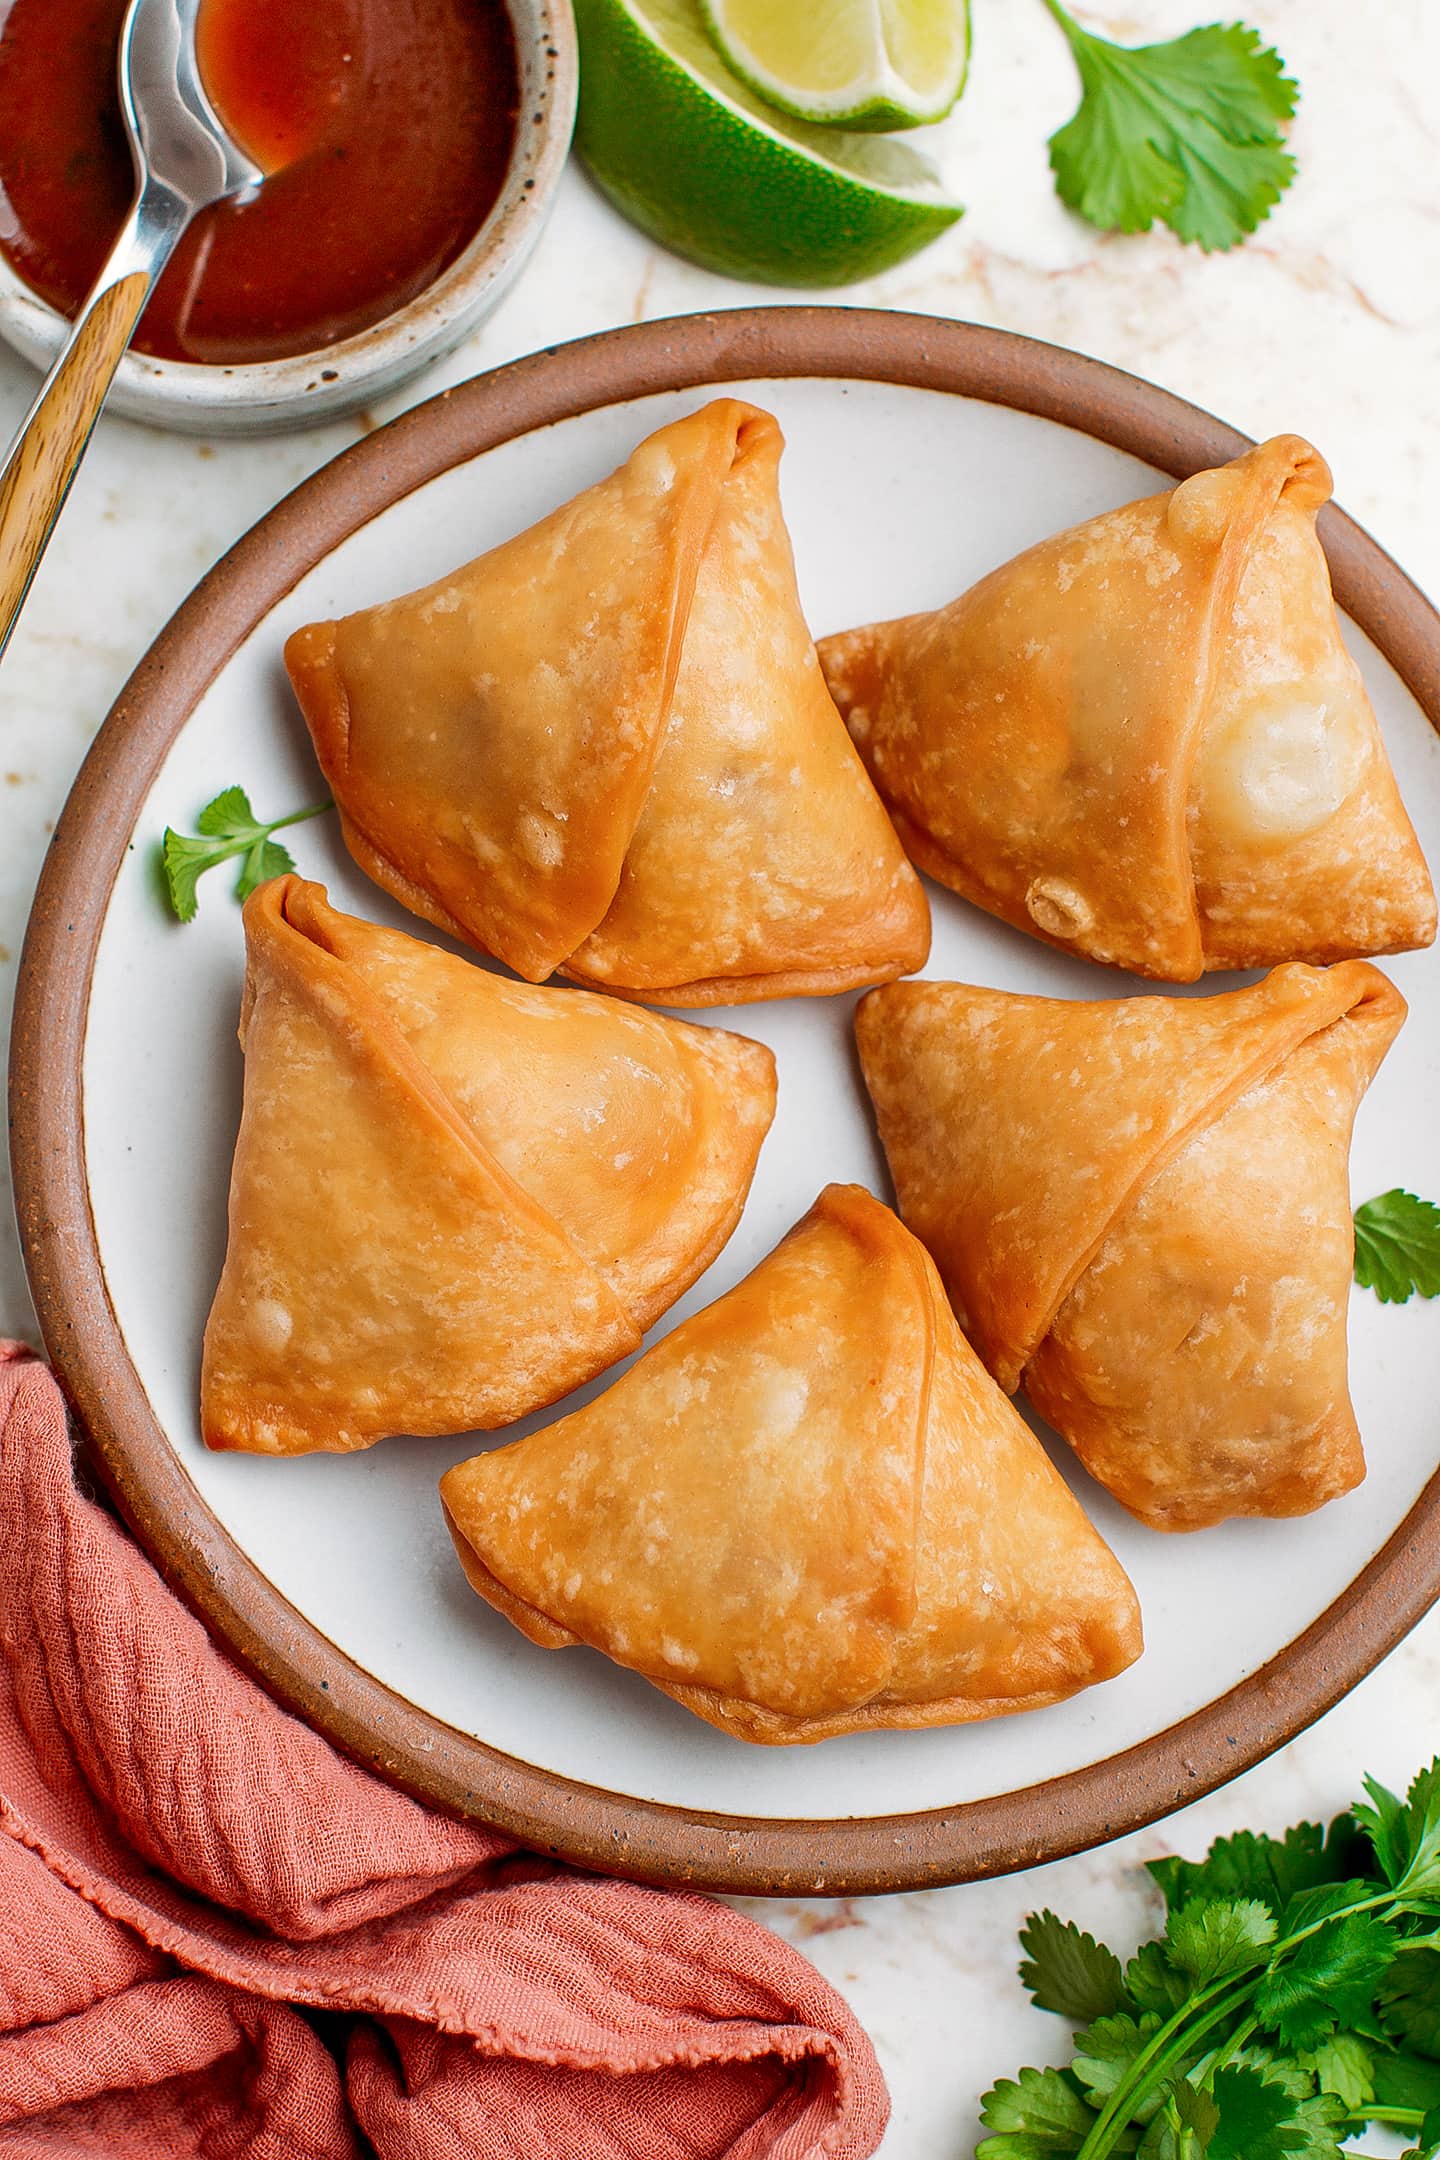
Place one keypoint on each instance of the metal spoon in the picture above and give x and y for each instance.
(184, 161)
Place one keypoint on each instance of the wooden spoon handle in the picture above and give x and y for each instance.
(42, 464)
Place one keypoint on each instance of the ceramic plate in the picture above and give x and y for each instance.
(920, 455)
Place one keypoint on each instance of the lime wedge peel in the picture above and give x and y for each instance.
(694, 157)
(867, 64)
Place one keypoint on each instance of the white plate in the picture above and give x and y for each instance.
(897, 498)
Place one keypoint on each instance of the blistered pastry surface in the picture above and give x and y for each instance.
(1008, 726)
(1141, 1211)
(1017, 1127)
(569, 753)
(1144, 740)
(1198, 1367)
(383, 1274)
(639, 1133)
(762, 850)
(807, 1510)
(429, 1227)
(1300, 842)
(489, 739)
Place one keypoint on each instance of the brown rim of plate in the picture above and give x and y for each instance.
(449, 1769)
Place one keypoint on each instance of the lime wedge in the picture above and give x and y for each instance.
(848, 63)
(688, 151)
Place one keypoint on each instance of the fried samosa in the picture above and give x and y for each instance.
(1141, 1212)
(454, 1197)
(807, 1511)
(1145, 741)
(606, 746)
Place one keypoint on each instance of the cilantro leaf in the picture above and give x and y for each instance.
(1152, 1983)
(1383, 1823)
(266, 859)
(1243, 2112)
(1218, 205)
(1330, 1976)
(1294, 1996)
(184, 862)
(1318, 2128)
(1343, 2065)
(1286, 2070)
(1259, 2119)
(1405, 2080)
(1305, 1911)
(1037, 2116)
(227, 816)
(1104, 166)
(1068, 1971)
(1317, 2123)
(1409, 1999)
(1188, 131)
(1183, 2125)
(1406, 1834)
(1248, 1865)
(1211, 1938)
(225, 828)
(1107, 2051)
(1397, 1247)
(1427, 2144)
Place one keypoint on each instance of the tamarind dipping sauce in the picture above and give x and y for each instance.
(385, 128)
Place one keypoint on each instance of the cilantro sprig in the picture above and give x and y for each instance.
(1293, 1998)
(1397, 1246)
(1189, 132)
(225, 828)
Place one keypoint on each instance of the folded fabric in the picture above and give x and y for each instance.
(184, 1863)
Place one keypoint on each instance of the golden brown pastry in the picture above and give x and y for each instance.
(807, 1511)
(607, 746)
(1145, 741)
(1141, 1211)
(454, 1197)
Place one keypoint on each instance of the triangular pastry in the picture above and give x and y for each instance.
(1145, 741)
(454, 1197)
(1141, 1213)
(607, 747)
(807, 1511)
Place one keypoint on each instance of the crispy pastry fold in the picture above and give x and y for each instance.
(1145, 741)
(1141, 1213)
(607, 747)
(454, 1197)
(807, 1511)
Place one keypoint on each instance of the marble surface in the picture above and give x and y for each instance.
(1328, 322)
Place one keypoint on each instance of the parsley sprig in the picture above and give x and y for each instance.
(1293, 1998)
(225, 828)
(1189, 132)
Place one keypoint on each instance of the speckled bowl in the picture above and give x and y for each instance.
(269, 396)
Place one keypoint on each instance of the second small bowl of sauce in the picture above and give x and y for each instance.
(412, 148)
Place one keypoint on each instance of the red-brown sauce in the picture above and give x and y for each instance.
(386, 127)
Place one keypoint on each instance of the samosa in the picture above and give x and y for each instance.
(1141, 1212)
(454, 1197)
(606, 746)
(1144, 740)
(807, 1511)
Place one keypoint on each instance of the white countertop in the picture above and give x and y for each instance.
(1328, 323)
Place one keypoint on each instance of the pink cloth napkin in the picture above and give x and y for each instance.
(184, 1862)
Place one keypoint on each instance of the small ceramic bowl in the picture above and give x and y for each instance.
(266, 397)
